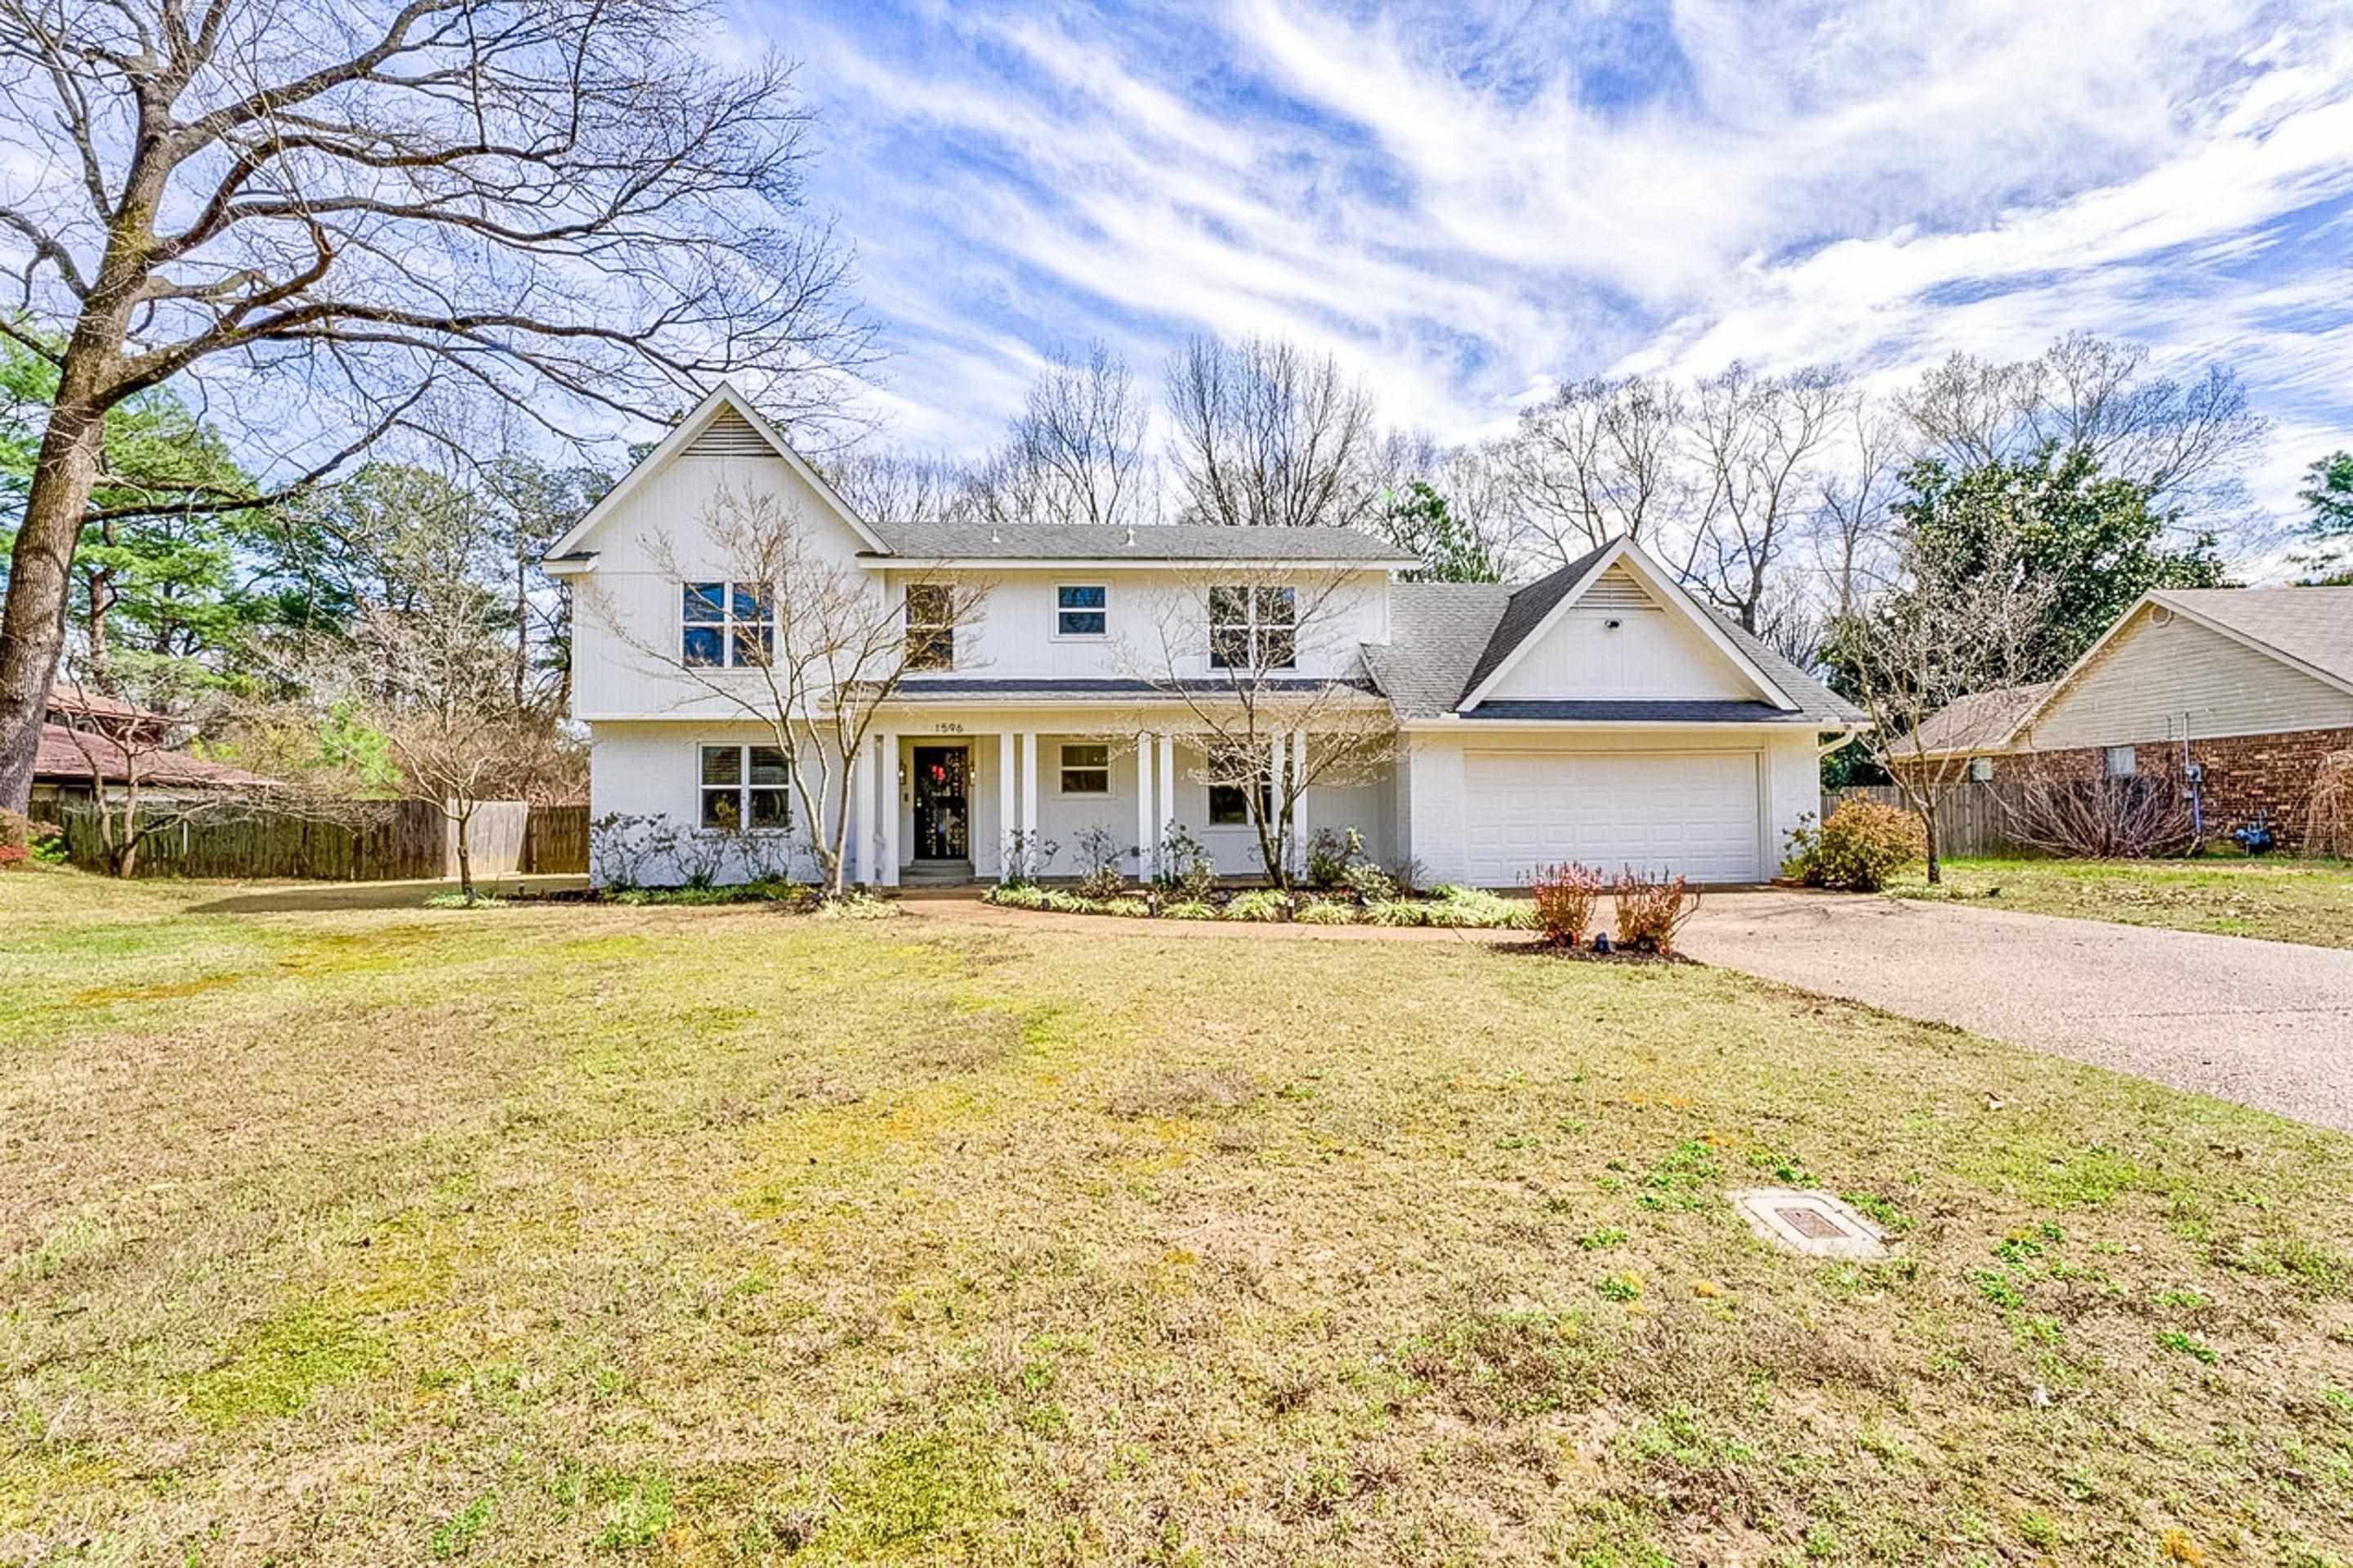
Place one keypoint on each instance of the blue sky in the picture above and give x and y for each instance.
(1469, 201)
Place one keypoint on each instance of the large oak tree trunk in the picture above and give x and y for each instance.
(33, 627)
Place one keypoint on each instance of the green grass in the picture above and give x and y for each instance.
(2278, 900)
(668, 1234)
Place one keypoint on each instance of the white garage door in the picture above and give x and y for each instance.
(1691, 813)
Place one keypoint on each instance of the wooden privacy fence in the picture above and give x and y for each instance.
(1970, 818)
(378, 841)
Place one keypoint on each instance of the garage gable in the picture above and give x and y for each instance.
(1621, 630)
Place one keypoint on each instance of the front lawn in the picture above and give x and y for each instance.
(2281, 900)
(704, 1235)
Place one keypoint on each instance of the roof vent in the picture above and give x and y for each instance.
(2160, 616)
(1131, 538)
(993, 535)
(729, 435)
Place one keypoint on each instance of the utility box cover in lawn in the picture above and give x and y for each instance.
(1814, 1223)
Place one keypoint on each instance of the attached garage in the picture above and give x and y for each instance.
(1696, 813)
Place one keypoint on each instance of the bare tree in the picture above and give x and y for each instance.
(1268, 435)
(1597, 458)
(2187, 441)
(818, 647)
(339, 203)
(1076, 450)
(1942, 636)
(1852, 524)
(888, 487)
(1228, 645)
(1759, 443)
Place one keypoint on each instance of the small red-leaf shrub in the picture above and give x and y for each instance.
(1651, 909)
(1566, 898)
(16, 837)
(1863, 844)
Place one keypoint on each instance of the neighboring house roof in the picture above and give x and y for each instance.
(67, 755)
(97, 707)
(2313, 626)
(1447, 640)
(1984, 721)
(1159, 542)
(2308, 628)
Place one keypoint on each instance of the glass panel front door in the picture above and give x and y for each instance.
(941, 814)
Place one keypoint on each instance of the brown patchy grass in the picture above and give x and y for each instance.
(718, 1235)
(2308, 901)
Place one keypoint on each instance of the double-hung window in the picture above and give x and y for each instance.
(726, 625)
(931, 626)
(745, 785)
(1229, 799)
(1081, 609)
(1253, 627)
(1086, 769)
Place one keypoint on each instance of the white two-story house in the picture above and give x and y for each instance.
(1598, 713)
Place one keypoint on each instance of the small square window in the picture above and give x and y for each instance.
(2123, 762)
(1982, 769)
(1086, 769)
(1082, 611)
(725, 625)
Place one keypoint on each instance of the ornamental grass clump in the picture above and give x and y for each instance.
(1862, 844)
(1651, 909)
(1475, 909)
(1566, 897)
(1259, 904)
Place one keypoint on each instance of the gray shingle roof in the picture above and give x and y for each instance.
(2313, 625)
(1980, 722)
(1155, 542)
(1446, 637)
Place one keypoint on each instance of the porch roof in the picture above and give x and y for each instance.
(975, 690)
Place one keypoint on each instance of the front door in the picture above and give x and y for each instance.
(941, 818)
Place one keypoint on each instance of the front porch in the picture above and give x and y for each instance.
(954, 803)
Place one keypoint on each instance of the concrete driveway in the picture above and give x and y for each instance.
(2265, 1024)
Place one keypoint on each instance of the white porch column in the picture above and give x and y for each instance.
(858, 805)
(1144, 834)
(1029, 801)
(891, 807)
(1168, 782)
(1008, 807)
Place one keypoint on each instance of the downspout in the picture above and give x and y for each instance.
(1842, 738)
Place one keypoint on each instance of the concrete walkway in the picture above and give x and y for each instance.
(2266, 1024)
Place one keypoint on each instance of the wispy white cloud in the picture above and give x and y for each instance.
(1466, 204)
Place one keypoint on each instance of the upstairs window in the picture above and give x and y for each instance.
(726, 625)
(1086, 769)
(931, 626)
(1253, 627)
(745, 785)
(1082, 611)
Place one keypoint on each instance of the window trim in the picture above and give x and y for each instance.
(1059, 635)
(944, 630)
(742, 788)
(1063, 768)
(1253, 626)
(730, 627)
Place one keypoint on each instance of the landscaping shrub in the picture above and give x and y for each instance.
(1189, 909)
(1471, 908)
(1651, 910)
(1017, 895)
(766, 891)
(1259, 904)
(1863, 844)
(2060, 812)
(16, 838)
(1130, 908)
(1566, 897)
(1323, 912)
(1369, 882)
(1330, 855)
(1099, 857)
(856, 905)
(457, 900)
(1187, 869)
(1062, 903)
(1396, 912)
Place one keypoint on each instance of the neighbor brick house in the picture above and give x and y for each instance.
(2242, 691)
